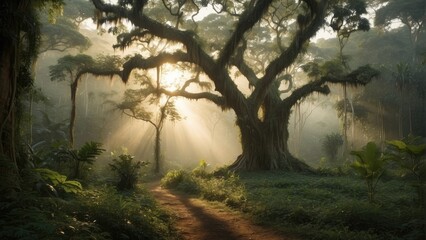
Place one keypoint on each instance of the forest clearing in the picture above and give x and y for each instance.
(213, 119)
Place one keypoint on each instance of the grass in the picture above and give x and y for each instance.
(315, 206)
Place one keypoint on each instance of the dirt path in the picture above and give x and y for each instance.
(201, 220)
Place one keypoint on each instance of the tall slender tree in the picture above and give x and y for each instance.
(136, 105)
(347, 18)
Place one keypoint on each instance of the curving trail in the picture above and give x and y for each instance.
(201, 220)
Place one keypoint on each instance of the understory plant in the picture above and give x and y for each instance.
(370, 166)
(220, 185)
(127, 171)
(330, 146)
(410, 155)
(52, 182)
(87, 154)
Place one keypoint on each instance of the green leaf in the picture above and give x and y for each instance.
(398, 144)
(89, 151)
(71, 186)
(416, 149)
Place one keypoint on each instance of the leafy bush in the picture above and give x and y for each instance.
(181, 180)
(127, 171)
(34, 217)
(208, 186)
(57, 181)
(74, 158)
(101, 213)
(410, 155)
(370, 166)
(331, 144)
(200, 171)
(125, 216)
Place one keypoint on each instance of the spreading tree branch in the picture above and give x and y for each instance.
(247, 20)
(360, 76)
(218, 100)
(238, 61)
(287, 57)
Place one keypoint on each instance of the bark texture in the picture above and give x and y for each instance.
(10, 31)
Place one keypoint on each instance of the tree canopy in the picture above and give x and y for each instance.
(261, 40)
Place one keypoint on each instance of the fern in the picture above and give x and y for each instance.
(89, 151)
(59, 181)
(127, 171)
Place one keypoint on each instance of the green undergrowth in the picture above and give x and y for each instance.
(312, 206)
(99, 212)
(218, 186)
(333, 207)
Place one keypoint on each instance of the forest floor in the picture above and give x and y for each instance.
(198, 219)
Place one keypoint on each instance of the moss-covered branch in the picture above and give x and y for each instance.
(360, 76)
(247, 20)
(286, 58)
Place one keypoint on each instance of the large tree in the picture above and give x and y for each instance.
(19, 38)
(262, 112)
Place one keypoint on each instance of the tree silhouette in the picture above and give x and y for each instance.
(72, 68)
(347, 19)
(262, 112)
(135, 105)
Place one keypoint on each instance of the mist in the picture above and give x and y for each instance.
(208, 132)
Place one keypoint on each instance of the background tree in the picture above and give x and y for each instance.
(263, 136)
(347, 19)
(61, 36)
(136, 105)
(72, 68)
(412, 14)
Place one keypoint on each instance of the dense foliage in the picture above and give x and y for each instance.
(97, 213)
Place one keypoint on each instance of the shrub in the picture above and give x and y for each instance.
(227, 189)
(370, 166)
(52, 181)
(331, 144)
(200, 171)
(127, 215)
(127, 171)
(409, 154)
(76, 158)
(180, 180)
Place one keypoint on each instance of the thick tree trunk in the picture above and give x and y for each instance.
(12, 12)
(264, 145)
(9, 173)
(9, 67)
